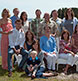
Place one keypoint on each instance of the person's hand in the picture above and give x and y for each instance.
(72, 53)
(31, 69)
(54, 53)
(45, 54)
(36, 65)
(18, 51)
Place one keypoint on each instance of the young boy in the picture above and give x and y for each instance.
(32, 64)
(33, 68)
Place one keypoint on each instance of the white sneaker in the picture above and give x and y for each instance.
(29, 74)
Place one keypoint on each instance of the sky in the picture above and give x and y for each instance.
(31, 5)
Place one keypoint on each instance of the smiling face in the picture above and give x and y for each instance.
(35, 46)
(33, 54)
(69, 12)
(38, 13)
(24, 16)
(5, 13)
(47, 17)
(29, 35)
(16, 11)
(47, 29)
(65, 36)
(18, 24)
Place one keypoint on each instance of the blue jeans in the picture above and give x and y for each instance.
(39, 72)
(23, 52)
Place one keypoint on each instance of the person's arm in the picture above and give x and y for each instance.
(73, 43)
(25, 47)
(22, 40)
(54, 46)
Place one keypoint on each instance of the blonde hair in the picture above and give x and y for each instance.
(33, 53)
(7, 12)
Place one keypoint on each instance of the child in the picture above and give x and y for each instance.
(32, 64)
(33, 68)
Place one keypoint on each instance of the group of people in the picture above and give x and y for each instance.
(38, 41)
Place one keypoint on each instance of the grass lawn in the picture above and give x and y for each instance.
(21, 76)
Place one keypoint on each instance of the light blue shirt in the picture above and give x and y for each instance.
(14, 18)
(48, 45)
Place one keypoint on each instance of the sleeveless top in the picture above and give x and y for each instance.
(28, 46)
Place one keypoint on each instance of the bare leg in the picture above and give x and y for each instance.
(49, 74)
(66, 69)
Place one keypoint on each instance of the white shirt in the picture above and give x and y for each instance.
(16, 38)
(26, 26)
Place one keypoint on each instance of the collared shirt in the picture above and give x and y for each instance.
(16, 38)
(59, 25)
(48, 44)
(35, 23)
(14, 18)
(52, 24)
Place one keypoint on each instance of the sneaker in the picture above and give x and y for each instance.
(29, 74)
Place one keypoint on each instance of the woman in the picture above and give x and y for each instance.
(69, 22)
(65, 50)
(75, 40)
(36, 47)
(6, 25)
(29, 37)
(25, 22)
(48, 46)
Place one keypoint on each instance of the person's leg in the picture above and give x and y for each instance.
(10, 53)
(49, 62)
(40, 72)
(69, 58)
(54, 57)
(24, 54)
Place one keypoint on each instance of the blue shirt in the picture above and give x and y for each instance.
(48, 44)
(14, 18)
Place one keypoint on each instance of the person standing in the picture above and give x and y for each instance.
(25, 22)
(6, 25)
(35, 23)
(69, 22)
(15, 16)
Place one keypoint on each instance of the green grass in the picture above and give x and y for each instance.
(21, 76)
(17, 76)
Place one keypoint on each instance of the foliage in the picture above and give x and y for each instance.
(62, 10)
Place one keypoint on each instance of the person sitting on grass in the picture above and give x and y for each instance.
(33, 67)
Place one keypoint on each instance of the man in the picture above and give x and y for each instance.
(15, 16)
(16, 42)
(36, 22)
(47, 21)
